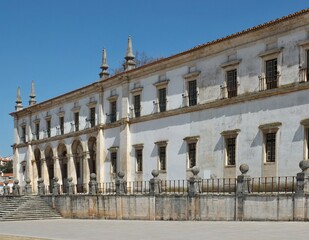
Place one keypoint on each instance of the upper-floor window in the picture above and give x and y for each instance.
(271, 73)
(304, 61)
(137, 105)
(76, 121)
(231, 83)
(271, 66)
(23, 134)
(113, 111)
(162, 99)
(92, 117)
(48, 127)
(305, 124)
(192, 92)
(37, 131)
(61, 123)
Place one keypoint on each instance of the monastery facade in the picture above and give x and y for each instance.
(240, 99)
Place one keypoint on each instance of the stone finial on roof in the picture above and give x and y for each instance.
(19, 105)
(104, 73)
(32, 100)
(130, 63)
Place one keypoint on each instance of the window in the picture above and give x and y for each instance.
(92, 117)
(231, 151)
(192, 155)
(305, 124)
(76, 121)
(271, 74)
(192, 93)
(61, 123)
(23, 134)
(137, 105)
(48, 127)
(162, 158)
(113, 111)
(270, 147)
(231, 83)
(113, 162)
(162, 99)
(37, 131)
(139, 160)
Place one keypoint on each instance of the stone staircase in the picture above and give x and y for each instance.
(26, 208)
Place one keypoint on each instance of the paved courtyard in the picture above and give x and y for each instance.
(112, 229)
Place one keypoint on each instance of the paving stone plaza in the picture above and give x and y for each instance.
(103, 229)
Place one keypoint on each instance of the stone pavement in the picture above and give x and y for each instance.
(144, 230)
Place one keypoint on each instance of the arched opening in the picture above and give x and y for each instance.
(77, 151)
(50, 166)
(63, 162)
(37, 158)
(92, 161)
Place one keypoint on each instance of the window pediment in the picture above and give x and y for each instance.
(161, 143)
(305, 122)
(230, 63)
(75, 109)
(112, 98)
(191, 75)
(161, 84)
(136, 90)
(270, 127)
(273, 53)
(230, 133)
(191, 139)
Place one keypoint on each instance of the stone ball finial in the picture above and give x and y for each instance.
(304, 165)
(244, 168)
(56, 179)
(155, 173)
(120, 174)
(16, 181)
(195, 170)
(93, 176)
(70, 179)
(6, 182)
(28, 181)
(40, 180)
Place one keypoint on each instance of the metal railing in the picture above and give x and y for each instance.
(303, 75)
(262, 185)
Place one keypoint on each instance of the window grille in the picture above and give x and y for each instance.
(162, 158)
(37, 131)
(270, 146)
(76, 121)
(192, 154)
(92, 117)
(271, 74)
(231, 83)
(113, 112)
(61, 120)
(48, 123)
(192, 93)
(230, 151)
(162, 99)
(114, 162)
(139, 160)
(137, 105)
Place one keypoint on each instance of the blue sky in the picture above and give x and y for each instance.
(58, 43)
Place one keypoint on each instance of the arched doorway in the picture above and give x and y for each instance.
(77, 151)
(63, 162)
(50, 166)
(92, 161)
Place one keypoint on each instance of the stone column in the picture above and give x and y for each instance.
(155, 183)
(121, 184)
(44, 171)
(71, 167)
(86, 170)
(57, 169)
(30, 157)
(302, 178)
(243, 188)
(16, 163)
(243, 180)
(194, 182)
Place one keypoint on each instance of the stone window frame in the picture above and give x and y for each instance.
(113, 151)
(113, 99)
(137, 90)
(226, 67)
(48, 126)
(193, 74)
(228, 135)
(265, 129)
(305, 124)
(61, 114)
(36, 132)
(304, 63)
(75, 124)
(159, 144)
(91, 105)
(161, 84)
(191, 140)
(23, 132)
(138, 147)
(275, 53)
